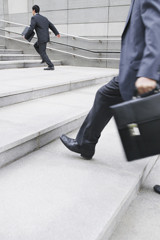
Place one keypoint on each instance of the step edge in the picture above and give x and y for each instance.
(128, 199)
(56, 85)
(7, 157)
(39, 133)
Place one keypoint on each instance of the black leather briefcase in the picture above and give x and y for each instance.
(138, 123)
(29, 38)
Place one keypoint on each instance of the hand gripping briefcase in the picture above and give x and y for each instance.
(138, 123)
(29, 38)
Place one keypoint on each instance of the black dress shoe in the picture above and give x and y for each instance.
(157, 188)
(73, 146)
(49, 68)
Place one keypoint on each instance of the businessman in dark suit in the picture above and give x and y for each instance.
(139, 67)
(41, 25)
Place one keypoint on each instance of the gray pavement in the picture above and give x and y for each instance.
(142, 219)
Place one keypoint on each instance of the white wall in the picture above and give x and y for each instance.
(17, 6)
(99, 18)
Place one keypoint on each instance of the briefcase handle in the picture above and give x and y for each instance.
(154, 91)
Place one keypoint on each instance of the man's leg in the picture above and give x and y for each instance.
(44, 56)
(36, 46)
(98, 117)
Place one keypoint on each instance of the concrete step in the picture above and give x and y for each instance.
(141, 221)
(28, 84)
(10, 51)
(33, 124)
(12, 57)
(2, 47)
(70, 59)
(24, 64)
(55, 194)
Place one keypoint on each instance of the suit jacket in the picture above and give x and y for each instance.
(140, 52)
(41, 25)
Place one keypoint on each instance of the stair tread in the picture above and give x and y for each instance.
(18, 55)
(45, 112)
(11, 50)
(17, 64)
(143, 211)
(14, 117)
(25, 60)
(24, 80)
(22, 122)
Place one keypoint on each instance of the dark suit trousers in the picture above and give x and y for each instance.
(41, 49)
(99, 115)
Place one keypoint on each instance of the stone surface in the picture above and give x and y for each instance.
(11, 57)
(23, 64)
(118, 14)
(27, 79)
(88, 29)
(28, 84)
(15, 58)
(88, 4)
(2, 47)
(115, 29)
(45, 119)
(89, 14)
(41, 114)
(55, 194)
(120, 2)
(83, 16)
(18, 7)
(51, 5)
(9, 51)
(141, 220)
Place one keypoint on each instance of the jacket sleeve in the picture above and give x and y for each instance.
(31, 28)
(150, 63)
(53, 28)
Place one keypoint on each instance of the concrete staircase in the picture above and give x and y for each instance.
(107, 49)
(11, 58)
(51, 193)
(27, 85)
(2, 47)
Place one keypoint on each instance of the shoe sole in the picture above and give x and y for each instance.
(86, 157)
(49, 69)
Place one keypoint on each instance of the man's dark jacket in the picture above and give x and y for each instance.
(140, 52)
(41, 25)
